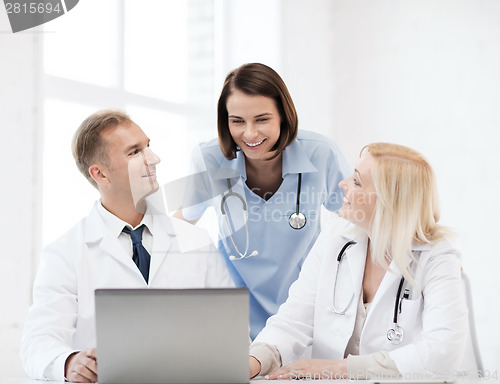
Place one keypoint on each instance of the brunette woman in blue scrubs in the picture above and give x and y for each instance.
(282, 177)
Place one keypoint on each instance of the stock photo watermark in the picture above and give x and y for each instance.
(26, 14)
(454, 375)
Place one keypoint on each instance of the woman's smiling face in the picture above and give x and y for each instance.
(254, 123)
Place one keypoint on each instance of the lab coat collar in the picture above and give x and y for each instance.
(420, 247)
(97, 231)
(416, 249)
(388, 285)
(116, 225)
(355, 256)
(95, 225)
(354, 233)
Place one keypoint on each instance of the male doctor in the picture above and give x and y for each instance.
(122, 243)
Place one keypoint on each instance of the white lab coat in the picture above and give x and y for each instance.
(434, 318)
(87, 257)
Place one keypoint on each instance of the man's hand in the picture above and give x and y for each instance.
(81, 367)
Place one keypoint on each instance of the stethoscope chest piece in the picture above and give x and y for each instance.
(395, 335)
(297, 220)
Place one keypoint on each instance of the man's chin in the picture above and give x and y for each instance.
(140, 197)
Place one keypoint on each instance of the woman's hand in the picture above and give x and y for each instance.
(311, 369)
(254, 366)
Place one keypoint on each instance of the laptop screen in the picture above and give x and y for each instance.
(172, 335)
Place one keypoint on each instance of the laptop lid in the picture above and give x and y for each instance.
(172, 336)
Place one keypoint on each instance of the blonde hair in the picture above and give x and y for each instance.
(407, 207)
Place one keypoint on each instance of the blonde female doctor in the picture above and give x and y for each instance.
(380, 295)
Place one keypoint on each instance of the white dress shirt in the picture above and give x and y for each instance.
(116, 226)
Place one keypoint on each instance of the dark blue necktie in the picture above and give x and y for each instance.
(141, 257)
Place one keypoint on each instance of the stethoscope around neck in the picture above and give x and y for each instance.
(394, 334)
(297, 219)
(245, 218)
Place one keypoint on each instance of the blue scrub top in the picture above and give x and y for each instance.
(281, 249)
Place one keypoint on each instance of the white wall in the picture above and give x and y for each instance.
(20, 192)
(246, 31)
(421, 73)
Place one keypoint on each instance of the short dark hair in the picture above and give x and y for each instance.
(257, 79)
(88, 147)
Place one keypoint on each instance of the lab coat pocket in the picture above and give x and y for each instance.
(410, 318)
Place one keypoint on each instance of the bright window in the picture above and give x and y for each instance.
(156, 67)
(151, 58)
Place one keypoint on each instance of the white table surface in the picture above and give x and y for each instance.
(466, 381)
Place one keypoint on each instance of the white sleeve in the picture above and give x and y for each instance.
(290, 331)
(51, 321)
(268, 357)
(372, 366)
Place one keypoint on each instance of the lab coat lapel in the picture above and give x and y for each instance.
(163, 238)
(112, 247)
(383, 302)
(388, 286)
(355, 257)
(98, 233)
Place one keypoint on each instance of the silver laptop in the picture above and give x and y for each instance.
(172, 336)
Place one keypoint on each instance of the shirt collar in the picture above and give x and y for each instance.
(229, 169)
(295, 160)
(116, 225)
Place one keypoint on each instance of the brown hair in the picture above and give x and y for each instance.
(87, 146)
(257, 79)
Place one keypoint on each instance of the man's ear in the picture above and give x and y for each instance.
(98, 172)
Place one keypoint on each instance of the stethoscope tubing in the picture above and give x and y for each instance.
(228, 195)
(297, 220)
(245, 218)
(394, 335)
(299, 186)
(397, 306)
(339, 259)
